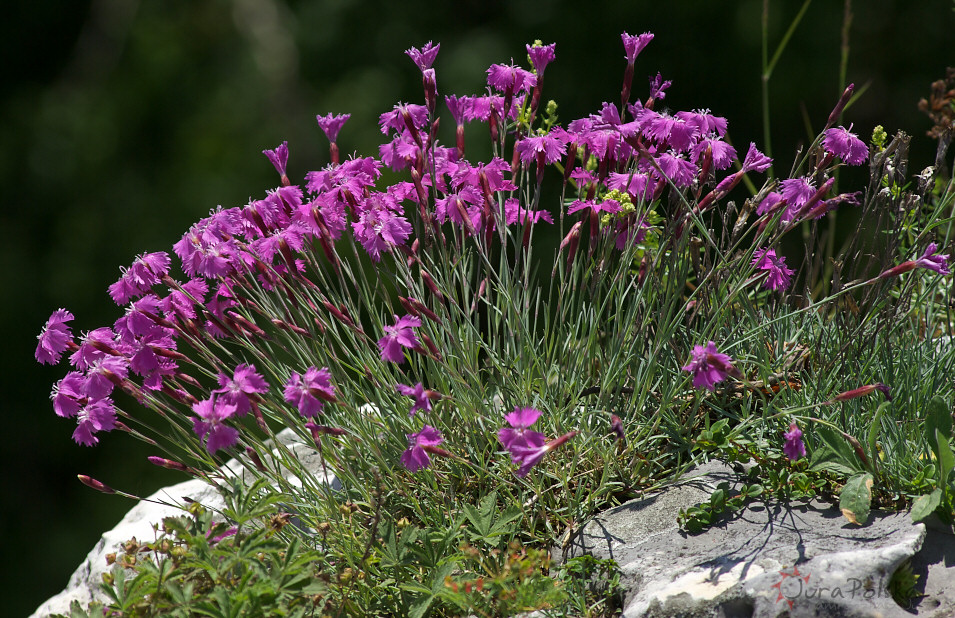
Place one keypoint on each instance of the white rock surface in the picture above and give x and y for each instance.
(84, 583)
(138, 522)
(751, 564)
(772, 560)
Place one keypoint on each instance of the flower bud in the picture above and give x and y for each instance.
(480, 293)
(862, 391)
(408, 307)
(616, 426)
(250, 452)
(840, 106)
(298, 330)
(169, 464)
(98, 486)
(432, 348)
(431, 285)
(429, 81)
(337, 313)
(320, 430)
(570, 243)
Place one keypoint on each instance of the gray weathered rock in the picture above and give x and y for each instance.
(84, 583)
(772, 560)
(749, 565)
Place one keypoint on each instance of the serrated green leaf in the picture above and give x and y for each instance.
(414, 587)
(511, 514)
(874, 427)
(316, 586)
(181, 595)
(926, 505)
(855, 499)
(488, 504)
(76, 611)
(420, 608)
(480, 524)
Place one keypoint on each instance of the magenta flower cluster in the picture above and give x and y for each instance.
(642, 154)
(806, 197)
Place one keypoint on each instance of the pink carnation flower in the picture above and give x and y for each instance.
(633, 44)
(211, 427)
(145, 272)
(779, 276)
(510, 78)
(55, 338)
(841, 142)
(709, 366)
(95, 416)
(416, 457)
(755, 160)
(331, 124)
(425, 56)
(794, 447)
(310, 391)
(543, 148)
(397, 337)
(279, 158)
(541, 56)
(527, 447)
(421, 396)
(519, 432)
(378, 229)
(238, 389)
(932, 261)
(529, 455)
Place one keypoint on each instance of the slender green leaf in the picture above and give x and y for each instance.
(938, 417)
(825, 459)
(946, 459)
(875, 426)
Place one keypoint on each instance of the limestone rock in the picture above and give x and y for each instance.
(84, 583)
(168, 502)
(752, 564)
(771, 560)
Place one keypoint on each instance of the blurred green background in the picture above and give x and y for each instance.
(125, 121)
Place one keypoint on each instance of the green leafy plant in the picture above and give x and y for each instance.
(938, 435)
(902, 585)
(503, 583)
(696, 518)
(200, 565)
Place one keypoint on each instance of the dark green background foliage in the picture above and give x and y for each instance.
(124, 122)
